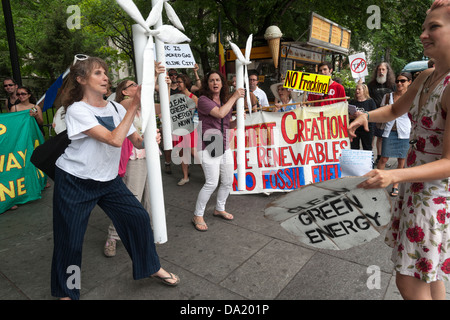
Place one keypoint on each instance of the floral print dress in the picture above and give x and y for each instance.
(419, 231)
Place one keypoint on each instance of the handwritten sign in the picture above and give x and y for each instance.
(334, 214)
(182, 111)
(309, 82)
(179, 56)
(355, 162)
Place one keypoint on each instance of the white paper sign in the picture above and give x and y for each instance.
(334, 214)
(355, 162)
(358, 65)
(179, 56)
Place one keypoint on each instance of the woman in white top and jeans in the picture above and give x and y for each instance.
(396, 133)
(86, 175)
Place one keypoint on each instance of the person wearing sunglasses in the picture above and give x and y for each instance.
(10, 86)
(395, 143)
(28, 102)
(86, 175)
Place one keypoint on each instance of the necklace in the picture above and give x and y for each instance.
(428, 84)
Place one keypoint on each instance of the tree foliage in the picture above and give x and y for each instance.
(46, 45)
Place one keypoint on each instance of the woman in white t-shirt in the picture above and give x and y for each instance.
(86, 175)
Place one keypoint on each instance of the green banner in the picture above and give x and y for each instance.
(20, 180)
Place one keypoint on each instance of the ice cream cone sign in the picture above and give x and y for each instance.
(273, 36)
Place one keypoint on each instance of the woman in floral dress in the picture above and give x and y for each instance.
(420, 227)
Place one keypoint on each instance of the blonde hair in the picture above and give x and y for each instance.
(439, 4)
(365, 90)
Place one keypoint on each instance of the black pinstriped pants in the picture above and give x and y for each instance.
(73, 201)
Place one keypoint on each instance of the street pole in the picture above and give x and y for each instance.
(11, 42)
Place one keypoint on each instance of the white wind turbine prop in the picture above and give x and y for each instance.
(145, 73)
(241, 77)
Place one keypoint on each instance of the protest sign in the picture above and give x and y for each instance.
(310, 82)
(334, 214)
(356, 162)
(181, 112)
(358, 65)
(287, 150)
(179, 56)
(20, 181)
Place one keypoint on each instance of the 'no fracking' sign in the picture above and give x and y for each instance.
(333, 214)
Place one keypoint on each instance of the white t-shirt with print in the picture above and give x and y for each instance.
(86, 157)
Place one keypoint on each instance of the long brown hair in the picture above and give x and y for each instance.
(82, 69)
(224, 92)
(390, 76)
(120, 87)
(186, 80)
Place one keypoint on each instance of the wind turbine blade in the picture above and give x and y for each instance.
(247, 90)
(129, 7)
(155, 14)
(248, 47)
(237, 52)
(171, 14)
(170, 34)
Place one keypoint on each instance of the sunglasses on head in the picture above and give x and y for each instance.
(79, 57)
(401, 80)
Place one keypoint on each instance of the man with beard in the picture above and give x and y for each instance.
(383, 81)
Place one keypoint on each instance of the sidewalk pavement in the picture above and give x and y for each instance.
(250, 258)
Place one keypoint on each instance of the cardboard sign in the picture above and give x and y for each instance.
(309, 82)
(334, 214)
(182, 111)
(179, 56)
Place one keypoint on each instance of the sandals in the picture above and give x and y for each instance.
(394, 192)
(166, 281)
(224, 215)
(197, 224)
(201, 226)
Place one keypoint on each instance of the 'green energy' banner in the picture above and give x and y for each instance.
(20, 180)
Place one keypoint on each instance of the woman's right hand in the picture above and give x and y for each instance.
(361, 120)
(239, 93)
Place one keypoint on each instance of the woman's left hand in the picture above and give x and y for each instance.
(33, 112)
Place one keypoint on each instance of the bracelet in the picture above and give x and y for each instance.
(366, 112)
(143, 144)
(198, 79)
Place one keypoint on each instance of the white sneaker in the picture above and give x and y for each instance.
(183, 181)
